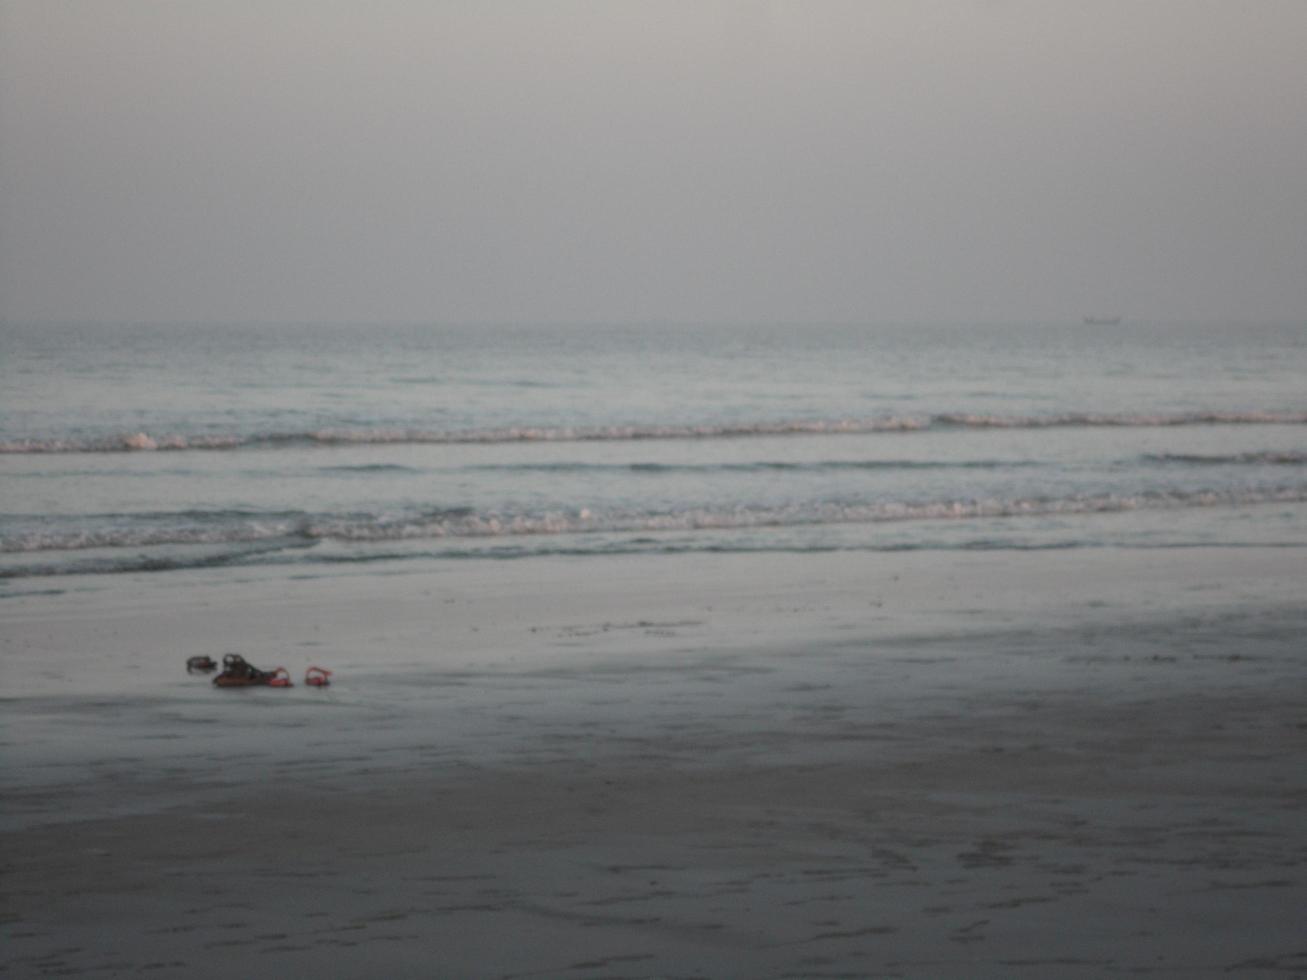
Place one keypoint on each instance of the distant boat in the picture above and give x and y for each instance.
(1102, 321)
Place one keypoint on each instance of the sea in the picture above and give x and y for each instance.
(299, 449)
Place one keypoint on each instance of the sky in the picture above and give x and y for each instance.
(684, 160)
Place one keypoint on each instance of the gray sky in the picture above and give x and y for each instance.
(391, 160)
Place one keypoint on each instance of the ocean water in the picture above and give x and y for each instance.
(146, 449)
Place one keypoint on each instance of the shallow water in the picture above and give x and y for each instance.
(139, 448)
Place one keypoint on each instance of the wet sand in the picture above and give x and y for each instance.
(921, 765)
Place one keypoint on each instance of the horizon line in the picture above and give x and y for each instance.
(654, 322)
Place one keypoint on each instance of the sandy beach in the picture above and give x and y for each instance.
(852, 765)
(782, 491)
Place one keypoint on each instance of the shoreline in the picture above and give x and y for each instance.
(843, 764)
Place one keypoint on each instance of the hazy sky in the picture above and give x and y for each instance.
(474, 160)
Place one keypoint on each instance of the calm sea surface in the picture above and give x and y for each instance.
(128, 449)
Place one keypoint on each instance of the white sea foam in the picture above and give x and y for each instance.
(145, 442)
(463, 523)
(1265, 458)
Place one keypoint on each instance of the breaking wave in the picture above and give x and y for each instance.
(145, 442)
(762, 466)
(1267, 458)
(294, 529)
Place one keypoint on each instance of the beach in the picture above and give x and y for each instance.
(777, 491)
(1070, 763)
